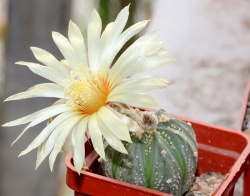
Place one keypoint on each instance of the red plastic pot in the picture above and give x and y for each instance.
(220, 150)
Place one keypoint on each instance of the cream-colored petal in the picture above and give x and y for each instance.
(93, 35)
(66, 65)
(60, 101)
(96, 136)
(114, 124)
(48, 130)
(45, 72)
(39, 90)
(143, 65)
(43, 112)
(137, 49)
(40, 154)
(42, 117)
(134, 99)
(78, 145)
(49, 60)
(130, 58)
(146, 64)
(135, 53)
(140, 84)
(47, 146)
(131, 124)
(104, 37)
(66, 49)
(112, 140)
(110, 50)
(60, 140)
(131, 31)
(77, 41)
(121, 40)
(147, 38)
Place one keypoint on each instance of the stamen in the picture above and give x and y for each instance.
(87, 90)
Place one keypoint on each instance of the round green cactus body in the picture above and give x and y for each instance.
(164, 158)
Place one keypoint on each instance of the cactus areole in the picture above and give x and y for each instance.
(162, 157)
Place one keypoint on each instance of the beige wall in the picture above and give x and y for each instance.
(210, 40)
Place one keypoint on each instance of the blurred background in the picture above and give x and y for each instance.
(209, 39)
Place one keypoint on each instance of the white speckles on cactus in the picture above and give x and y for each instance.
(164, 160)
(190, 124)
(163, 153)
(129, 165)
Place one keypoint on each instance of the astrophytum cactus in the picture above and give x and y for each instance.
(162, 157)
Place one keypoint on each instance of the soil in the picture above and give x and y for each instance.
(205, 184)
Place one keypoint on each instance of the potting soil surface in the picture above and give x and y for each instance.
(205, 184)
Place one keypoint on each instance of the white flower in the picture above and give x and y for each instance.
(87, 82)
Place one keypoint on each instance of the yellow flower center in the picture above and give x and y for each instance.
(87, 90)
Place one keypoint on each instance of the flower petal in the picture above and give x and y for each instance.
(110, 51)
(77, 42)
(131, 124)
(94, 32)
(147, 38)
(131, 58)
(41, 118)
(48, 59)
(121, 40)
(45, 72)
(137, 48)
(66, 49)
(141, 65)
(131, 31)
(104, 37)
(40, 90)
(60, 101)
(60, 140)
(118, 41)
(48, 130)
(112, 140)
(48, 145)
(66, 65)
(139, 100)
(112, 122)
(40, 153)
(140, 84)
(78, 144)
(96, 136)
(43, 112)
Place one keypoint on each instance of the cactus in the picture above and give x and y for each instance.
(162, 157)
